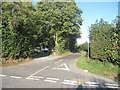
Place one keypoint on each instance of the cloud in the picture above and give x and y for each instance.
(83, 39)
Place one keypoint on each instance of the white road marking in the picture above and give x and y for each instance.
(53, 78)
(32, 78)
(37, 77)
(40, 70)
(91, 83)
(50, 81)
(85, 70)
(37, 72)
(66, 67)
(15, 77)
(111, 87)
(58, 61)
(2, 75)
(110, 84)
(70, 81)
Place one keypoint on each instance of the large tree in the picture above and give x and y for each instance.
(63, 20)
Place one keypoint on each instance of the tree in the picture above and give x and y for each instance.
(83, 47)
(103, 42)
(17, 29)
(63, 20)
(116, 36)
(48, 24)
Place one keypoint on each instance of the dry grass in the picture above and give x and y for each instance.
(11, 62)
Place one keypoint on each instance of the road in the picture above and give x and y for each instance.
(58, 72)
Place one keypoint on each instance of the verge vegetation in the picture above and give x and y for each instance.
(104, 41)
(97, 67)
(11, 62)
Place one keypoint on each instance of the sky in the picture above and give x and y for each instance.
(95, 10)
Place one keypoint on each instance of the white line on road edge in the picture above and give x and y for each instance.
(37, 72)
(50, 81)
(15, 77)
(53, 78)
(2, 75)
(58, 61)
(91, 83)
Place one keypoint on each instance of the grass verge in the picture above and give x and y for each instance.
(96, 67)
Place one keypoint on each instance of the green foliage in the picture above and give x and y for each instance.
(83, 47)
(48, 24)
(117, 36)
(62, 20)
(104, 42)
(17, 34)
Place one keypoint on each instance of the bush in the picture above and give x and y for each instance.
(83, 47)
(104, 40)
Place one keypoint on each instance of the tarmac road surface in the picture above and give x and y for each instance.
(52, 72)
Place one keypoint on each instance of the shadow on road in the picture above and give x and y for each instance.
(39, 55)
(117, 78)
(100, 86)
(80, 87)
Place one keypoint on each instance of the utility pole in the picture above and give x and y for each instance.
(88, 45)
(119, 11)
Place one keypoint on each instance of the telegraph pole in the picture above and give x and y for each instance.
(88, 45)
(119, 11)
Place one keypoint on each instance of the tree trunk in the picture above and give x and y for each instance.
(56, 42)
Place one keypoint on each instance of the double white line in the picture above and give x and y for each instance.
(91, 84)
(70, 82)
(111, 85)
(53, 80)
